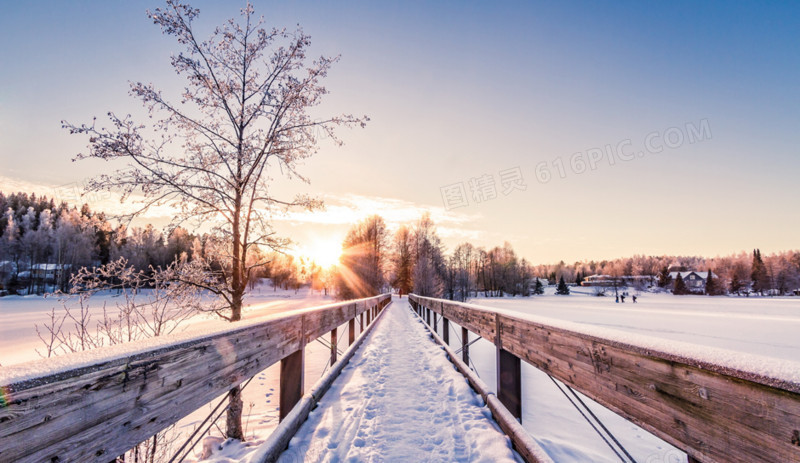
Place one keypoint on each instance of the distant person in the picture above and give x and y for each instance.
(634, 298)
(617, 301)
(622, 299)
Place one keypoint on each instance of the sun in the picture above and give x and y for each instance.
(323, 252)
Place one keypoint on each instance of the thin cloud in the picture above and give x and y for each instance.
(350, 208)
(339, 209)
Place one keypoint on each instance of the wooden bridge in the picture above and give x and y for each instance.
(98, 411)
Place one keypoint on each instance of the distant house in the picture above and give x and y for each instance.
(694, 281)
(48, 272)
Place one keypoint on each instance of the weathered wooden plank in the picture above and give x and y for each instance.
(334, 344)
(351, 331)
(319, 323)
(97, 412)
(715, 414)
(292, 382)
(481, 322)
(509, 382)
(465, 345)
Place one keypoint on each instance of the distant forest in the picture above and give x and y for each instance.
(43, 243)
(414, 259)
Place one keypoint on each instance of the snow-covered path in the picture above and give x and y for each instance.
(400, 399)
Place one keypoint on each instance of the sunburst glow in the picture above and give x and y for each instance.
(325, 252)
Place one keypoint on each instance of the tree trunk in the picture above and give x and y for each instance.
(235, 405)
(234, 417)
(236, 305)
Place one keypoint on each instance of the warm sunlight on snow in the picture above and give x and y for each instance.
(324, 252)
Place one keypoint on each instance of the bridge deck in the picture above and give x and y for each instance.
(400, 399)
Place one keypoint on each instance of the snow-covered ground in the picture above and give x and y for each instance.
(19, 343)
(756, 325)
(766, 327)
(19, 316)
(763, 326)
(400, 399)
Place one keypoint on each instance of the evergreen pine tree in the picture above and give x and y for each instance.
(663, 277)
(711, 285)
(736, 284)
(562, 288)
(578, 278)
(758, 275)
(538, 288)
(680, 287)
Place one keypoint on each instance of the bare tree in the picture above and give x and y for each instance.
(363, 261)
(211, 152)
(402, 259)
(151, 304)
(429, 262)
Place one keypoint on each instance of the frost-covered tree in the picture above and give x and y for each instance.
(402, 259)
(363, 260)
(212, 151)
(9, 250)
(429, 263)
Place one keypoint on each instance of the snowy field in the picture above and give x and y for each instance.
(766, 327)
(19, 316)
(19, 344)
(758, 325)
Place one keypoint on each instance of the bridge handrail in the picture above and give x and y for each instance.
(98, 411)
(713, 412)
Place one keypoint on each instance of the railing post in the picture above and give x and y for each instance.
(291, 382)
(435, 324)
(429, 316)
(446, 331)
(509, 376)
(351, 330)
(464, 345)
(509, 382)
(362, 321)
(334, 341)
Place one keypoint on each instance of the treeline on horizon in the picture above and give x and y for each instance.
(35, 230)
(413, 259)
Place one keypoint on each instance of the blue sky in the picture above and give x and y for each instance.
(460, 90)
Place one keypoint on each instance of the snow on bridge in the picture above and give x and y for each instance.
(400, 399)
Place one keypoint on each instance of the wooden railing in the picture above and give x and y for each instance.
(98, 411)
(711, 412)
